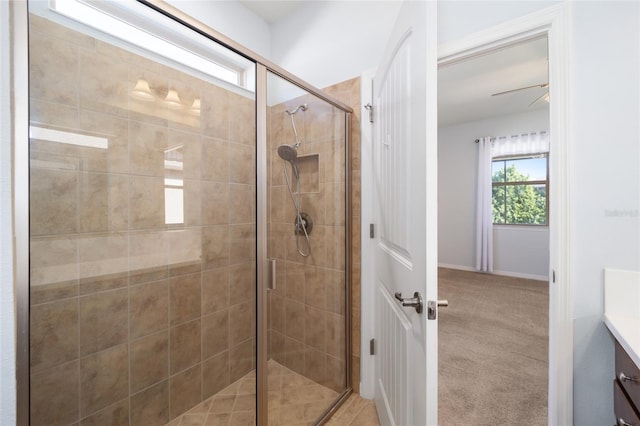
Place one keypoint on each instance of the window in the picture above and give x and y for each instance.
(520, 190)
(140, 26)
(173, 186)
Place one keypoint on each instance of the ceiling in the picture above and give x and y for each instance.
(270, 10)
(465, 88)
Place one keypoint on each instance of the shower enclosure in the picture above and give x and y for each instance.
(181, 270)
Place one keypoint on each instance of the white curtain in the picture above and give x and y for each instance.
(484, 220)
(488, 148)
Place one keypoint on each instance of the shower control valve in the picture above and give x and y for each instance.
(304, 224)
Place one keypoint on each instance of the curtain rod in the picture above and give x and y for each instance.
(492, 138)
(530, 133)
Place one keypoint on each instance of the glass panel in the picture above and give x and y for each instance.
(307, 325)
(524, 169)
(143, 28)
(142, 233)
(498, 171)
(526, 204)
(498, 204)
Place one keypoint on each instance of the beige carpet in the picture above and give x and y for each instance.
(493, 346)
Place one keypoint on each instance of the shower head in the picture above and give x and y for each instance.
(288, 152)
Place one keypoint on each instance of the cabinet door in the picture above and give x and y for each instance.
(628, 374)
(625, 414)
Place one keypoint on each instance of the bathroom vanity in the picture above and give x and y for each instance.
(622, 317)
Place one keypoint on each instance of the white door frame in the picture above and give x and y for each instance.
(554, 22)
(367, 291)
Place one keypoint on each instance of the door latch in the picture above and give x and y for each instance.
(432, 308)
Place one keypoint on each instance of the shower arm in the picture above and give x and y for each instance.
(302, 107)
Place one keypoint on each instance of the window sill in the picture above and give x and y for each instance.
(534, 228)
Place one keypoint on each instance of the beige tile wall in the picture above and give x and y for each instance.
(132, 318)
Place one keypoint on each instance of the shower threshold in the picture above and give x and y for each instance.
(293, 400)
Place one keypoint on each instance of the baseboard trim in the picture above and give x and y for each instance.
(497, 272)
(457, 267)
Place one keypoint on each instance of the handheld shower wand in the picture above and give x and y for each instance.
(289, 153)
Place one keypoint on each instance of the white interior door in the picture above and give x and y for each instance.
(405, 201)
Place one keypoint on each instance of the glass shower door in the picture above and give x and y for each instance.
(307, 337)
(142, 242)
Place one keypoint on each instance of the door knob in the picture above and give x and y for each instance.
(624, 378)
(414, 302)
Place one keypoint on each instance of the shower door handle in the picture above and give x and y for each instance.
(272, 275)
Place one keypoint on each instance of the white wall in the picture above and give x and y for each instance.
(7, 312)
(326, 42)
(233, 20)
(606, 171)
(519, 251)
(457, 18)
(607, 180)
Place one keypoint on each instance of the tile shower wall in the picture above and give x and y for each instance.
(307, 308)
(134, 320)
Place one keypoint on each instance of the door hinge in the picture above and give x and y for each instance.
(369, 108)
(372, 230)
(372, 347)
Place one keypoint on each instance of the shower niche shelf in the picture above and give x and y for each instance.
(309, 168)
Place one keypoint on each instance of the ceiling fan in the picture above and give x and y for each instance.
(545, 96)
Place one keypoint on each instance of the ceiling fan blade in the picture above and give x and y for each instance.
(544, 96)
(541, 86)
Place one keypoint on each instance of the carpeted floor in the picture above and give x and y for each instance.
(493, 350)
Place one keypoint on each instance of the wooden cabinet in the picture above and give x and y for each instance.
(626, 390)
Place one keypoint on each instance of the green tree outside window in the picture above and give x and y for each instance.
(518, 199)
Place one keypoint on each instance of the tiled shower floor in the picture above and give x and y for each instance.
(293, 400)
